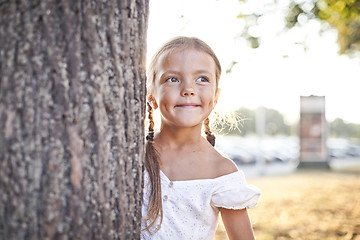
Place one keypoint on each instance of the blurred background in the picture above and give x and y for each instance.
(273, 52)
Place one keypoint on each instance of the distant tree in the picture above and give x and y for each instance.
(276, 125)
(274, 121)
(244, 126)
(339, 128)
(355, 130)
(247, 125)
(343, 15)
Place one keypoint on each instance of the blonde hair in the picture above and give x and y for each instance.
(152, 164)
(179, 43)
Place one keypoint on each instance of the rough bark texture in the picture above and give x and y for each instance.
(72, 104)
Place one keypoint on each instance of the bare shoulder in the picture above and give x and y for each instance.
(217, 164)
(223, 165)
(226, 166)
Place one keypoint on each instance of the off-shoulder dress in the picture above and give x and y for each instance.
(191, 207)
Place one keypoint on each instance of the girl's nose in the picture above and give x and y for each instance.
(188, 90)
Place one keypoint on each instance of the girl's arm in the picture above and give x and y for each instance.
(237, 224)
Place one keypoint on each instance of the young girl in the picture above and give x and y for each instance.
(187, 182)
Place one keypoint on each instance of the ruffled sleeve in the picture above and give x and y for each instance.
(233, 192)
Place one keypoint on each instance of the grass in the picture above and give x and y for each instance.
(306, 205)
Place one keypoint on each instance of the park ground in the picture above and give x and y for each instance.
(306, 205)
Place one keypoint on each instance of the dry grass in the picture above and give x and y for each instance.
(306, 205)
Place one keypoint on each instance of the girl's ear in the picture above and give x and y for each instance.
(217, 94)
(152, 101)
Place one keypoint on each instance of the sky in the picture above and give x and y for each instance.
(277, 73)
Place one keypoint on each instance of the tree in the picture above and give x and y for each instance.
(340, 128)
(343, 15)
(274, 122)
(72, 104)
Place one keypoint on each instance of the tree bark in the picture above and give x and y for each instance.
(72, 105)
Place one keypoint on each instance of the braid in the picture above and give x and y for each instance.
(150, 135)
(153, 168)
(209, 135)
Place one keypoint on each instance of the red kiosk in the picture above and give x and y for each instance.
(313, 133)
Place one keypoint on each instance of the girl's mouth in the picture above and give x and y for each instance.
(188, 105)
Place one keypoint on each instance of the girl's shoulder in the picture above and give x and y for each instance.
(222, 165)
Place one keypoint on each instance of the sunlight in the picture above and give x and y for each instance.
(277, 73)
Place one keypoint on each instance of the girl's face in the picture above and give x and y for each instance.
(185, 87)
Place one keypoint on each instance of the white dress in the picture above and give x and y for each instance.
(191, 207)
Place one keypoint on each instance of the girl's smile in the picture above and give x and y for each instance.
(188, 105)
(185, 87)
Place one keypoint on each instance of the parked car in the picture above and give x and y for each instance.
(238, 154)
(250, 150)
(353, 150)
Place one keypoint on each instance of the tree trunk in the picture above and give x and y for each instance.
(72, 104)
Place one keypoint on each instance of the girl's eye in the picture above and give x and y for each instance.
(171, 79)
(202, 79)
